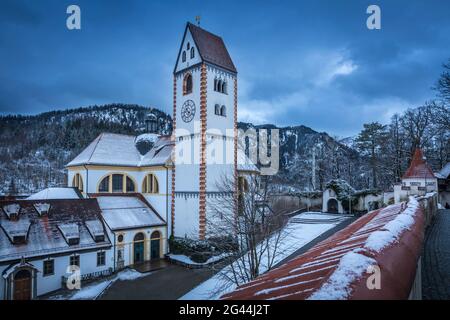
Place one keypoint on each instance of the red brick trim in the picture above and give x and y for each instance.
(174, 121)
(202, 176)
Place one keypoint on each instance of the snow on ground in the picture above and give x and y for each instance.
(187, 260)
(296, 235)
(93, 291)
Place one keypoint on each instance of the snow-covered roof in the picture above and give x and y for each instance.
(120, 150)
(338, 267)
(45, 232)
(244, 163)
(444, 173)
(127, 212)
(55, 193)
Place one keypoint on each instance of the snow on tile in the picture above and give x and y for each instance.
(351, 267)
(391, 232)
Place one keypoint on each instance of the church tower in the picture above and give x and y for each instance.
(205, 127)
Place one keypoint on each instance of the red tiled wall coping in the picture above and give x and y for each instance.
(390, 238)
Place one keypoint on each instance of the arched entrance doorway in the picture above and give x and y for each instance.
(138, 251)
(332, 206)
(155, 245)
(22, 285)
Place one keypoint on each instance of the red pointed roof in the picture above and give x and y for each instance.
(418, 167)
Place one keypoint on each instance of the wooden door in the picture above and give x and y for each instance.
(22, 285)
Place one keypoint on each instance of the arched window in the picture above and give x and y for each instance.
(217, 109)
(104, 185)
(77, 182)
(215, 84)
(139, 237)
(192, 53)
(130, 185)
(219, 85)
(187, 84)
(155, 235)
(150, 184)
(116, 183)
(223, 111)
(183, 56)
(224, 87)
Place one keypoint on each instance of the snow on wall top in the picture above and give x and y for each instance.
(55, 193)
(44, 235)
(120, 150)
(127, 212)
(337, 268)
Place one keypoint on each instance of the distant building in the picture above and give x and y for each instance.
(419, 179)
(443, 177)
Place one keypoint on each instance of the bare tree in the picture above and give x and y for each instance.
(256, 230)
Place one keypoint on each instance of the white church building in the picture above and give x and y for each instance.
(139, 190)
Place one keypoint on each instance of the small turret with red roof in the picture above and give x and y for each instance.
(418, 180)
(418, 167)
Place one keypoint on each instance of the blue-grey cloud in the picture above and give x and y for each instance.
(299, 62)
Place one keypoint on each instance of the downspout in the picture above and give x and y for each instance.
(87, 181)
(114, 260)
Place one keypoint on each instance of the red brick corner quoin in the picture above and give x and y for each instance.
(337, 268)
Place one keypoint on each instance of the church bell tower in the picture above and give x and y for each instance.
(204, 117)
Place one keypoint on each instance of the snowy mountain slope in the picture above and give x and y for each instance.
(34, 149)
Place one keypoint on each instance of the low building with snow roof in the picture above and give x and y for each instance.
(41, 239)
(138, 232)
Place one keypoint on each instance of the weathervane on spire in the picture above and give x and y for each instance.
(197, 19)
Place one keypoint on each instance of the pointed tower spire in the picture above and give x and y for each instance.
(418, 167)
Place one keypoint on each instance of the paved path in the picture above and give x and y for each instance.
(436, 259)
(169, 283)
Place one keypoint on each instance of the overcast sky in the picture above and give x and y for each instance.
(300, 62)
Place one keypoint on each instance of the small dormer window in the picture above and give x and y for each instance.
(188, 46)
(70, 232)
(95, 228)
(183, 56)
(42, 208)
(12, 211)
(19, 239)
(192, 53)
